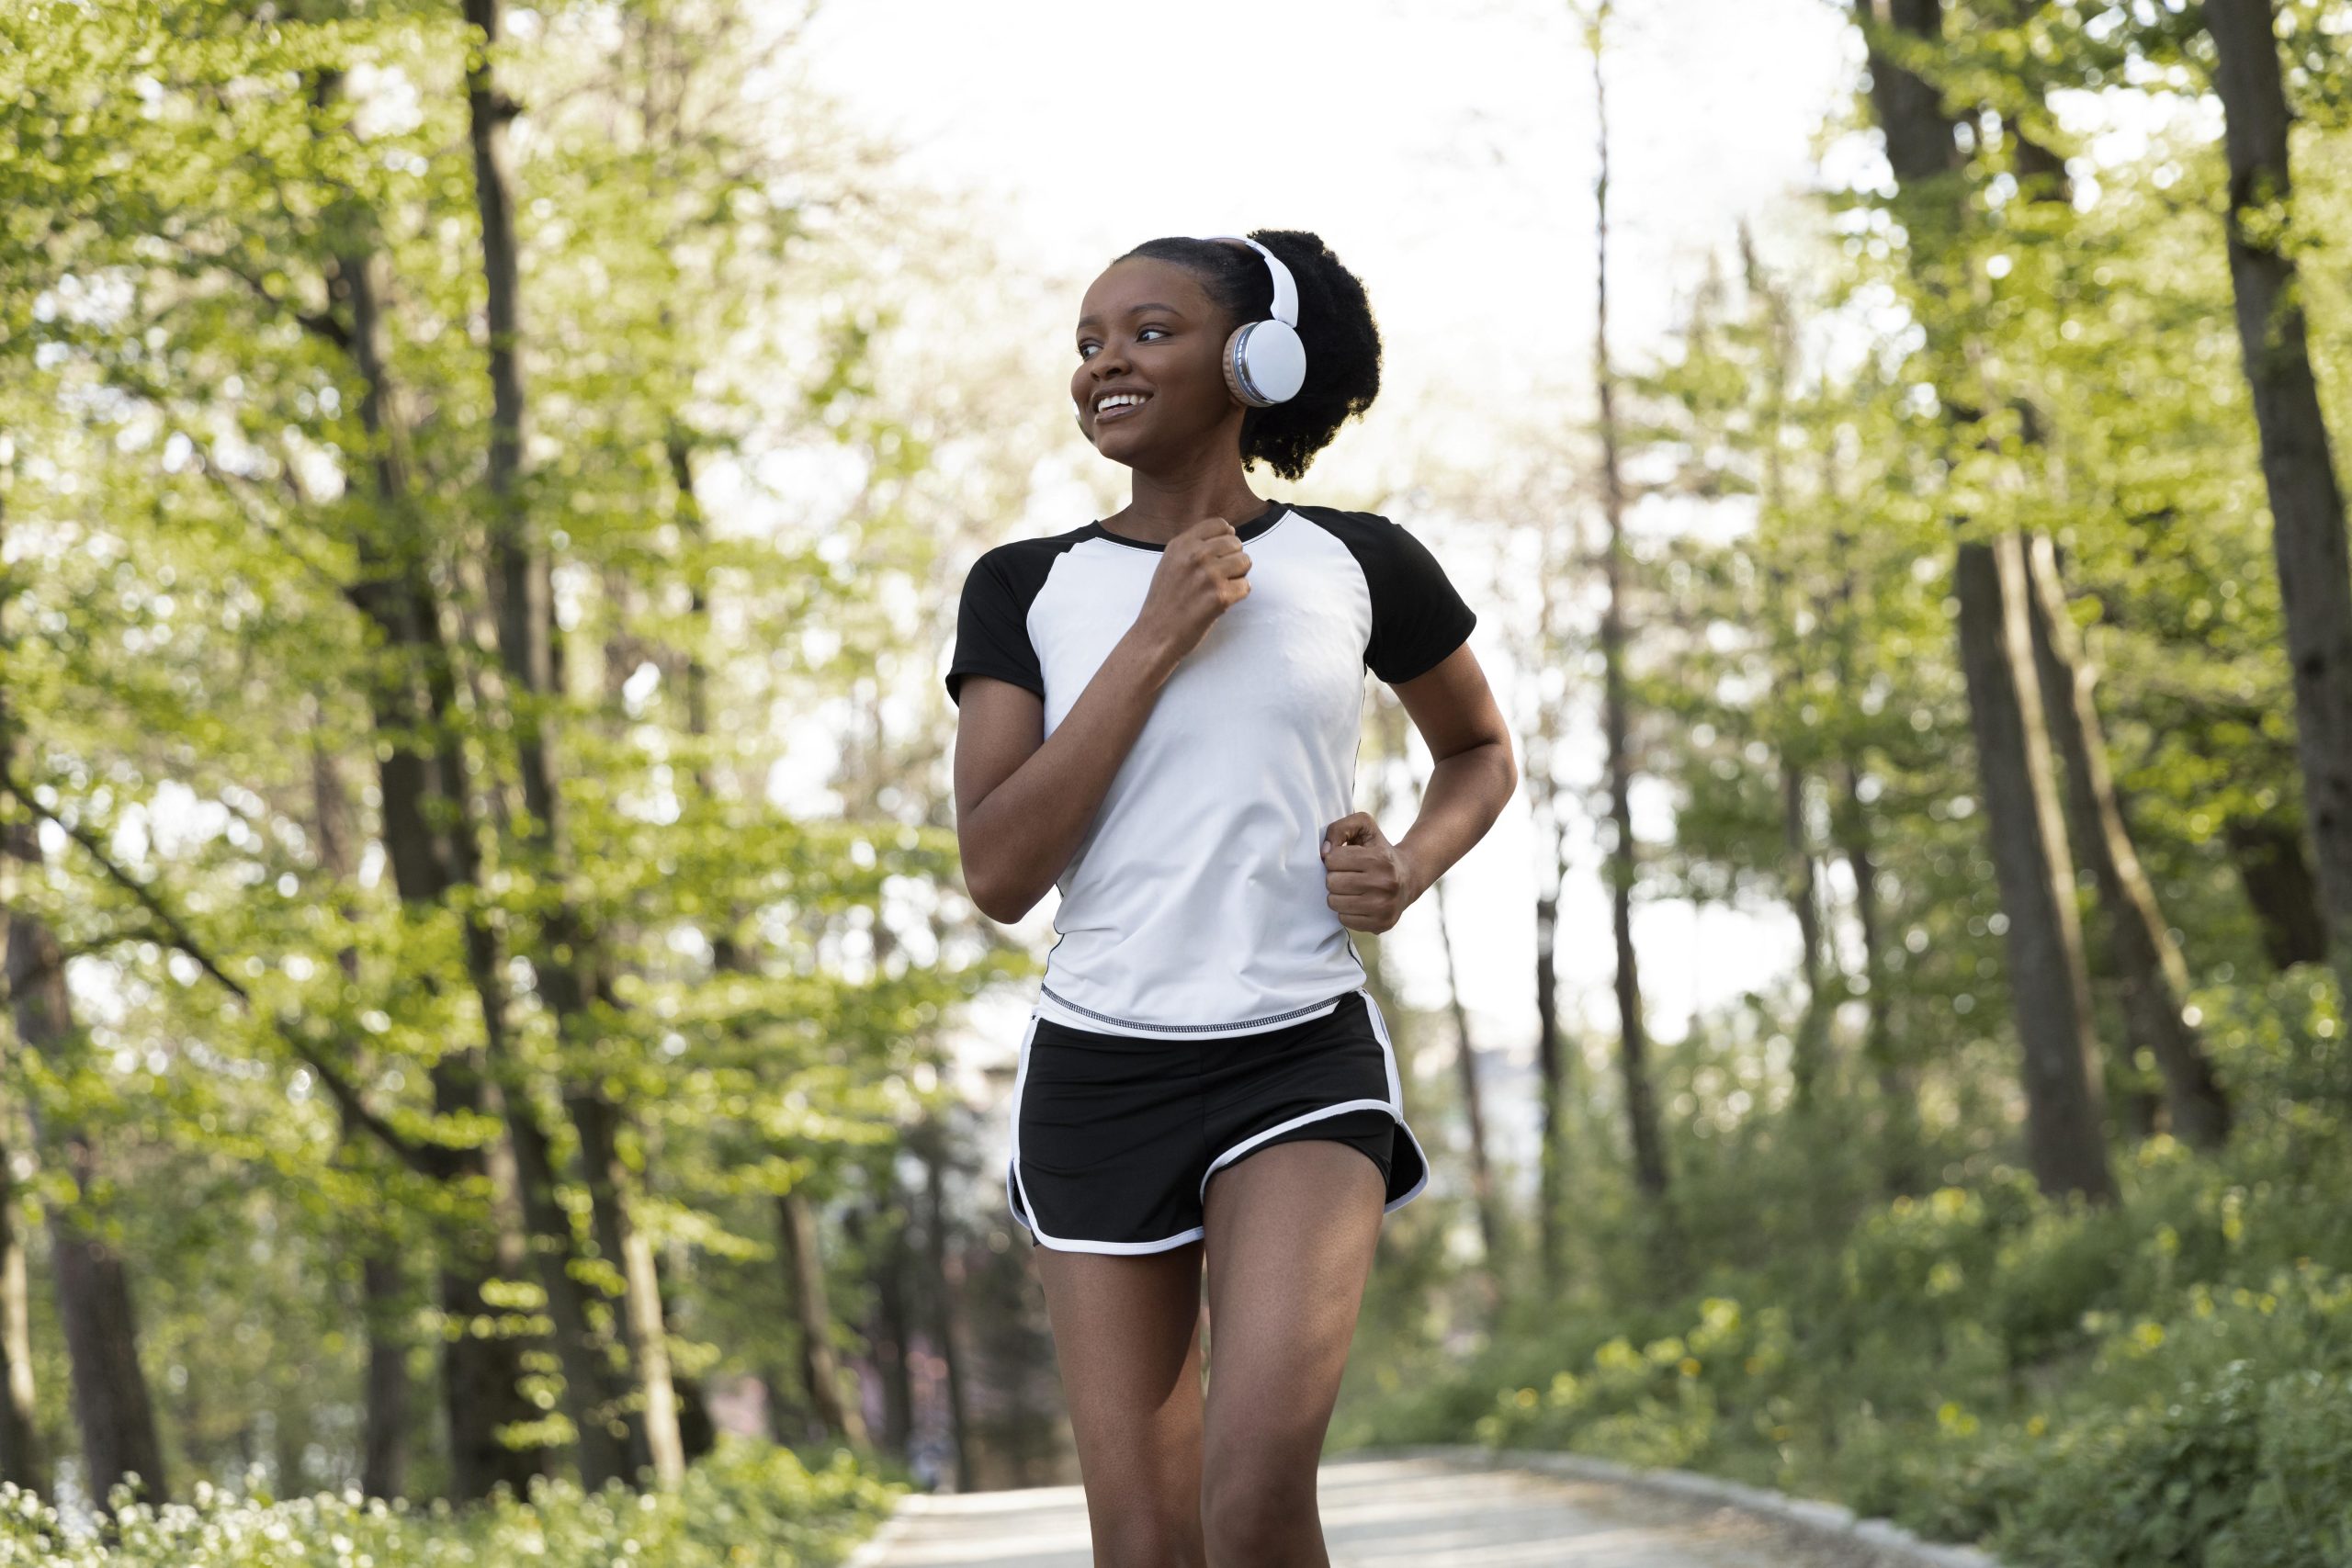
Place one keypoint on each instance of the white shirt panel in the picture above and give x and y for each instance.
(1196, 905)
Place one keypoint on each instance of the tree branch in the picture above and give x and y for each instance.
(178, 935)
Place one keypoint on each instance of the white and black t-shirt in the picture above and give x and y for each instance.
(1196, 906)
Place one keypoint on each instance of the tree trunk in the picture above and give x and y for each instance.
(697, 1432)
(877, 1230)
(482, 1359)
(111, 1406)
(1799, 884)
(383, 1444)
(2154, 978)
(1465, 1059)
(2153, 975)
(1551, 1075)
(1898, 1088)
(1899, 1140)
(21, 1459)
(2306, 501)
(650, 1349)
(1809, 1058)
(656, 1426)
(2276, 876)
(564, 960)
(693, 1416)
(480, 1372)
(592, 1392)
(1551, 1059)
(384, 1421)
(929, 1145)
(2049, 989)
(653, 1437)
(812, 1314)
(1641, 1111)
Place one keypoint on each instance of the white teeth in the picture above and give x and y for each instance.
(1118, 401)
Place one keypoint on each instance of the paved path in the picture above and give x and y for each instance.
(1390, 1513)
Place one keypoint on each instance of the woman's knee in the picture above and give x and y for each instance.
(1252, 1513)
(1138, 1533)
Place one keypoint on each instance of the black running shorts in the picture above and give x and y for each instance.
(1115, 1136)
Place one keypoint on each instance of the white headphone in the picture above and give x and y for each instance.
(1265, 362)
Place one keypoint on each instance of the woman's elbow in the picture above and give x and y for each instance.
(1003, 905)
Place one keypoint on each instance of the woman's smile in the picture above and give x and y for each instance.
(1118, 405)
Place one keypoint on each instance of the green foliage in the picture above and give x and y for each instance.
(1878, 1304)
(747, 1504)
(2223, 1440)
(209, 493)
(2167, 1380)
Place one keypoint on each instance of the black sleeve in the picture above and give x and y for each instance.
(993, 630)
(1417, 616)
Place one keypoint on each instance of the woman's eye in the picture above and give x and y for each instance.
(1089, 343)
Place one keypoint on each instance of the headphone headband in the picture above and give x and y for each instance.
(1285, 290)
(1265, 362)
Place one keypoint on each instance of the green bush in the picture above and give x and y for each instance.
(2222, 1437)
(2304, 1489)
(748, 1505)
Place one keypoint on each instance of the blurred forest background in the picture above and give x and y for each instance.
(444, 488)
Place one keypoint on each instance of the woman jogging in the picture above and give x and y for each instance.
(1159, 714)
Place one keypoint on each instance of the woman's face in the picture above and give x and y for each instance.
(1147, 329)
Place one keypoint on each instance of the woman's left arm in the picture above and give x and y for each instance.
(1371, 881)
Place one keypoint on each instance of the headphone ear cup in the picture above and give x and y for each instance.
(1277, 360)
(1231, 358)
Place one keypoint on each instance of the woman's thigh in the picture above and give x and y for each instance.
(1291, 1231)
(1126, 1337)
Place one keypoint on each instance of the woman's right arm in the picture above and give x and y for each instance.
(1023, 799)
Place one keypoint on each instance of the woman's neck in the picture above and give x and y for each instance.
(1161, 508)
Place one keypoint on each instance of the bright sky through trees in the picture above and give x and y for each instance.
(1090, 128)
